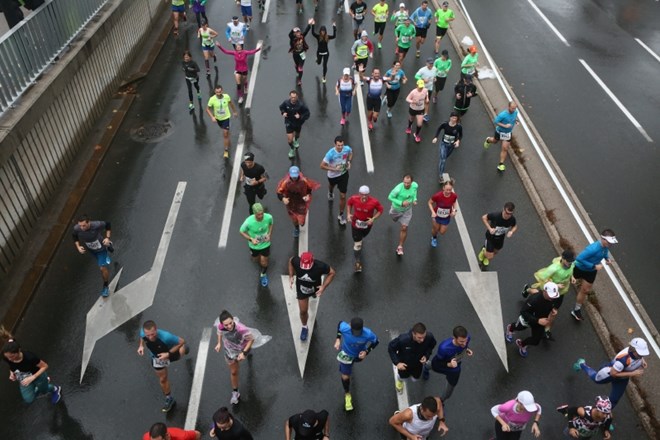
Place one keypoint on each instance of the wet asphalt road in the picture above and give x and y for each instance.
(120, 398)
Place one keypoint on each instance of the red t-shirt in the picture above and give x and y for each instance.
(176, 434)
(362, 211)
(443, 204)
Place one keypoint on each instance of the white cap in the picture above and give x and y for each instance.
(610, 239)
(402, 5)
(364, 190)
(347, 70)
(640, 346)
(527, 400)
(364, 34)
(551, 289)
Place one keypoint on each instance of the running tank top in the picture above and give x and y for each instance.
(419, 426)
(345, 86)
(375, 88)
(206, 37)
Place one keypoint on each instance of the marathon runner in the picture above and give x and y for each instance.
(235, 340)
(441, 66)
(417, 421)
(587, 421)
(308, 425)
(295, 113)
(428, 75)
(199, 8)
(345, 89)
(512, 417)
(29, 370)
(241, 67)
(298, 48)
(357, 10)
(254, 177)
(409, 352)
(257, 230)
(322, 52)
(160, 431)
(220, 108)
(443, 18)
(380, 11)
(295, 191)
(362, 50)
(191, 71)
(470, 62)
(398, 17)
(498, 226)
(443, 207)
(374, 97)
(207, 36)
(417, 99)
(505, 121)
(337, 162)
(464, 91)
(363, 210)
(403, 197)
(178, 10)
(236, 32)
(393, 78)
(421, 18)
(227, 427)
(93, 236)
(403, 35)
(449, 358)
(450, 140)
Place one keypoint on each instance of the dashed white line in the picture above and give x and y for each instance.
(552, 27)
(264, 17)
(253, 75)
(616, 101)
(231, 194)
(648, 49)
(198, 379)
(366, 142)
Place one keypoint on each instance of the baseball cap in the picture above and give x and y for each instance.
(357, 324)
(364, 34)
(402, 5)
(235, 18)
(473, 49)
(364, 189)
(604, 405)
(568, 255)
(248, 156)
(445, 3)
(347, 70)
(551, 289)
(640, 346)
(611, 239)
(307, 421)
(527, 400)
(420, 83)
(468, 77)
(294, 172)
(296, 29)
(257, 208)
(306, 260)
(429, 60)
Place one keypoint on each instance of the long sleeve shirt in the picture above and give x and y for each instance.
(323, 45)
(401, 194)
(240, 57)
(405, 349)
(591, 256)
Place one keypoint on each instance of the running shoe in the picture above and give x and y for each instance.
(434, 99)
(436, 55)
(215, 59)
(486, 144)
(417, 54)
(577, 314)
(380, 46)
(191, 106)
(370, 126)
(56, 395)
(408, 130)
(323, 80)
(508, 333)
(486, 262)
(338, 11)
(342, 121)
(501, 167)
(263, 278)
(105, 292)
(208, 72)
(235, 395)
(292, 153)
(563, 410)
(434, 242)
(524, 292)
(240, 100)
(418, 139)
(303, 333)
(342, 220)
(199, 95)
(358, 267)
(169, 404)
(389, 114)
(548, 335)
(399, 250)
(481, 255)
(226, 154)
(299, 82)
(247, 26)
(296, 232)
(331, 195)
(398, 384)
(521, 348)
(295, 143)
(348, 402)
(577, 366)
(426, 118)
(425, 372)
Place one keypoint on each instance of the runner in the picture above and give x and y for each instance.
(417, 421)
(504, 122)
(403, 198)
(236, 32)
(295, 191)
(421, 18)
(337, 162)
(470, 63)
(448, 359)
(220, 108)
(355, 341)
(199, 8)
(428, 75)
(538, 312)
(322, 52)
(357, 10)
(191, 70)
(345, 89)
(312, 278)
(241, 67)
(254, 177)
(443, 18)
(443, 207)
(29, 371)
(588, 421)
(295, 113)
(398, 17)
(628, 363)
(160, 431)
(227, 427)
(257, 230)
(512, 417)
(409, 352)
(450, 140)
(298, 48)
(374, 97)
(363, 210)
(393, 79)
(592, 259)
(498, 226)
(380, 11)
(362, 50)
(417, 99)
(94, 236)
(207, 36)
(464, 91)
(164, 348)
(178, 10)
(246, 12)
(308, 425)
(442, 66)
(403, 35)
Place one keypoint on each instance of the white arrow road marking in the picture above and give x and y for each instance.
(231, 194)
(366, 142)
(109, 313)
(302, 348)
(198, 380)
(253, 76)
(401, 398)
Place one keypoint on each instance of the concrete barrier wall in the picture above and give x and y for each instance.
(42, 135)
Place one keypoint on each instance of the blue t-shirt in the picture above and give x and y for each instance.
(504, 117)
(421, 18)
(395, 81)
(448, 351)
(165, 337)
(337, 160)
(591, 256)
(352, 345)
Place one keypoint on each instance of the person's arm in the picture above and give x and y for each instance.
(527, 313)
(334, 32)
(536, 429)
(176, 348)
(353, 47)
(442, 426)
(218, 346)
(287, 430)
(306, 31)
(210, 113)
(314, 34)
(437, 133)
(397, 421)
(233, 108)
(228, 33)
(326, 428)
(223, 50)
(392, 197)
(140, 349)
(512, 230)
(379, 211)
(304, 112)
(292, 272)
(393, 349)
(43, 366)
(459, 134)
(108, 233)
(489, 228)
(431, 207)
(212, 33)
(338, 338)
(616, 373)
(495, 411)
(326, 281)
(370, 46)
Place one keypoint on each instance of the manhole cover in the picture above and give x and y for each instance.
(151, 131)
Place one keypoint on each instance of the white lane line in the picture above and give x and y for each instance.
(616, 101)
(303, 238)
(552, 27)
(648, 49)
(347, 6)
(198, 379)
(264, 17)
(562, 191)
(231, 195)
(253, 75)
(402, 397)
(366, 142)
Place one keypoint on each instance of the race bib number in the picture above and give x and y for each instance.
(302, 56)
(93, 245)
(442, 74)
(344, 358)
(249, 180)
(359, 16)
(307, 290)
(261, 238)
(505, 136)
(160, 363)
(381, 17)
(361, 224)
(516, 426)
(20, 375)
(500, 230)
(442, 212)
(448, 139)
(405, 39)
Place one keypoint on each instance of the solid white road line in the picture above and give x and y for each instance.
(402, 397)
(366, 142)
(562, 191)
(198, 380)
(303, 238)
(616, 101)
(347, 6)
(253, 76)
(648, 49)
(231, 195)
(552, 27)
(264, 17)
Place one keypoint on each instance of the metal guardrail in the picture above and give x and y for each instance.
(28, 48)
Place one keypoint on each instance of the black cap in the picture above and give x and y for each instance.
(307, 421)
(248, 156)
(357, 324)
(235, 18)
(568, 255)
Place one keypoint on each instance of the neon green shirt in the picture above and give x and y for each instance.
(258, 229)
(469, 64)
(442, 67)
(556, 273)
(220, 107)
(399, 17)
(177, 2)
(443, 17)
(405, 34)
(380, 12)
(401, 194)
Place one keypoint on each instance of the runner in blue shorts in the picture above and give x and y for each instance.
(93, 237)
(443, 207)
(178, 10)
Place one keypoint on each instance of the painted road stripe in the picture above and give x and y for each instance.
(562, 191)
(648, 49)
(198, 379)
(402, 397)
(552, 27)
(231, 195)
(302, 348)
(253, 75)
(366, 142)
(264, 17)
(303, 238)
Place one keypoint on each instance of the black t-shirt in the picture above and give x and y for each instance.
(308, 281)
(537, 307)
(29, 364)
(501, 225)
(236, 432)
(253, 173)
(295, 423)
(358, 10)
(190, 69)
(92, 238)
(451, 133)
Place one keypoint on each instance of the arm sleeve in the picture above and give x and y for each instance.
(379, 207)
(440, 128)
(495, 411)
(459, 131)
(305, 112)
(392, 196)
(430, 346)
(334, 33)
(392, 349)
(306, 31)
(527, 315)
(314, 34)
